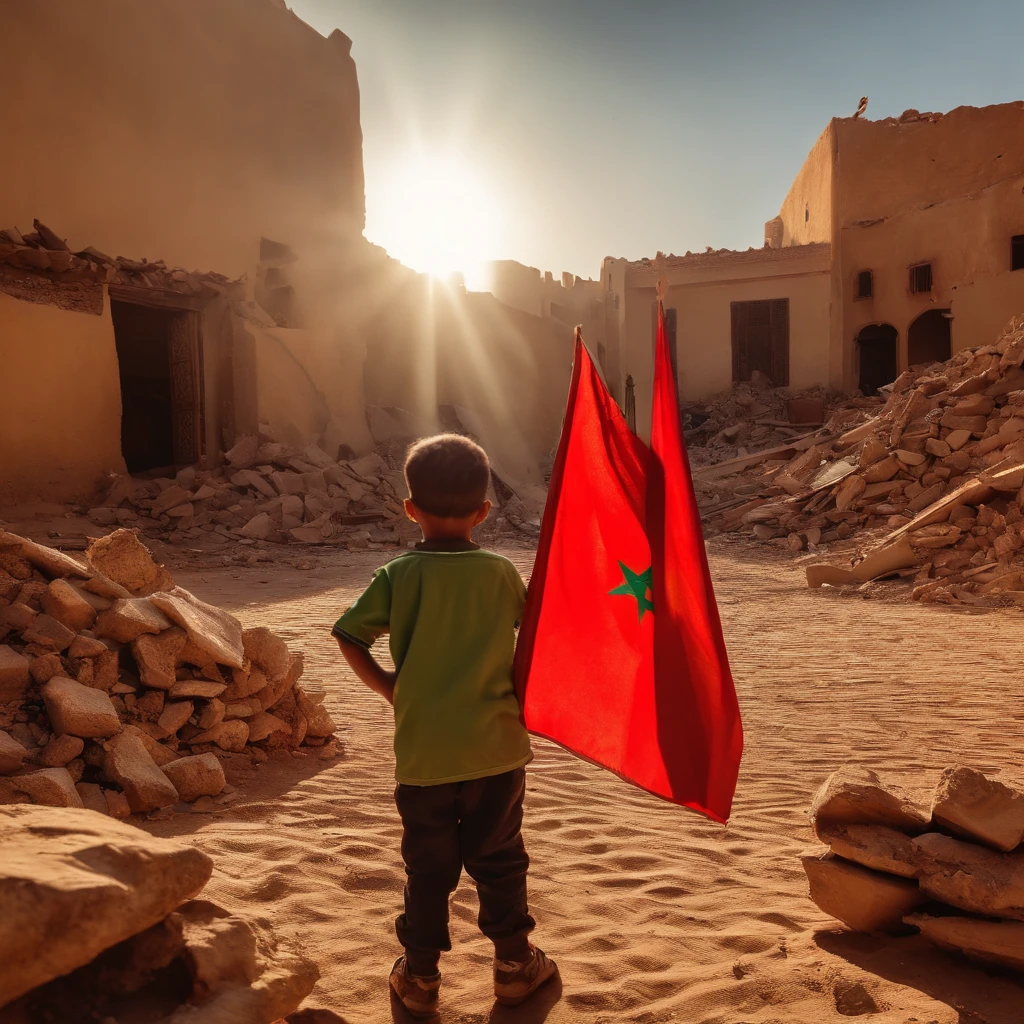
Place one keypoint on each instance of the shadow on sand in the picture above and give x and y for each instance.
(977, 993)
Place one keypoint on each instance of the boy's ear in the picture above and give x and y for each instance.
(411, 511)
(482, 513)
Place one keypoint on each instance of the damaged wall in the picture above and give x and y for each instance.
(179, 129)
(60, 418)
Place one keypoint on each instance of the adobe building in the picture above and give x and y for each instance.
(198, 266)
(899, 243)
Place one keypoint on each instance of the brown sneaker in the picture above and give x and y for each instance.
(417, 995)
(515, 982)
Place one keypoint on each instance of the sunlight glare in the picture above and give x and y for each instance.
(438, 217)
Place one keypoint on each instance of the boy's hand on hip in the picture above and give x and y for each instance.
(362, 662)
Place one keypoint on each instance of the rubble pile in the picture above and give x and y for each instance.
(934, 482)
(951, 870)
(754, 416)
(121, 692)
(269, 492)
(101, 922)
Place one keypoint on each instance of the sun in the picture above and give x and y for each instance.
(434, 213)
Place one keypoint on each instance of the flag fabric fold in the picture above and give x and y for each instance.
(620, 656)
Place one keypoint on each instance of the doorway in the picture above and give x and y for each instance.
(877, 351)
(760, 340)
(161, 385)
(929, 339)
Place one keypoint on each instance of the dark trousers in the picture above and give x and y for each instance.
(476, 825)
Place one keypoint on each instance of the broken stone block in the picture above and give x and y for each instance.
(14, 674)
(287, 482)
(211, 629)
(934, 446)
(44, 667)
(52, 787)
(267, 651)
(864, 900)
(87, 647)
(245, 682)
(65, 603)
(974, 424)
(196, 688)
(292, 511)
(856, 796)
(60, 750)
(196, 776)
(73, 884)
(994, 942)
(264, 724)
(318, 720)
(212, 714)
(160, 753)
(79, 710)
(243, 453)
(157, 657)
(227, 735)
(981, 809)
(242, 709)
(971, 877)
(17, 616)
(174, 716)
(52, 562)
(956, 439)
(92, 797)
(130, 765)
(12, 753)
(117, 804)
(48, 633)
(259, 527)
(129, 618)
(872, 846)
(125, 560)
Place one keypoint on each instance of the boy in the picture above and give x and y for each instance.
(460, 749)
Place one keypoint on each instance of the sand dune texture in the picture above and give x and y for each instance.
(652, 913)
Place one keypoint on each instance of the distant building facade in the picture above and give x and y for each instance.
(900, 242)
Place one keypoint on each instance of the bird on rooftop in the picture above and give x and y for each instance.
(861, 107)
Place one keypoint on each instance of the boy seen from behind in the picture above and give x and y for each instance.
(451, 610)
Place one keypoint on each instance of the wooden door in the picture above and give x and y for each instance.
(187, 388)
(760, 340)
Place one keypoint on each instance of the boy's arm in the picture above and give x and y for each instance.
(362, 662)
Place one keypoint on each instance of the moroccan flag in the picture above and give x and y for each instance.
(620, 656)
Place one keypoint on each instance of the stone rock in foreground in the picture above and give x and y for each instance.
(857, 796)
(995, 942)
(240, 972)
(53, 787)
(978, 808)
(971, 877)
(79, 710)
(131, 766)
(212, 630)
(864, 900)
(872, 846)
(73, 883)
(123, 558)
(196, 776)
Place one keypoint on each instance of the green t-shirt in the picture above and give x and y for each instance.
(451, 611)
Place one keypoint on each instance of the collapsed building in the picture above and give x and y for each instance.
(182, 260)
(899, 243)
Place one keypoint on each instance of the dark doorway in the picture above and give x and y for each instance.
(877, 351)
(760, 340)
(161, 389)
(929, 339)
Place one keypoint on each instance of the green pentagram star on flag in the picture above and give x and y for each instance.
(637, 585)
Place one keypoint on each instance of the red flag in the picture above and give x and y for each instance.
(620, 656)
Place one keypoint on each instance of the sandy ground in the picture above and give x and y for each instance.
(652, 913)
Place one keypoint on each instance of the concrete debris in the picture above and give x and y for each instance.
(152, 689)
(937, 477)
(873, 869)
(98, 914)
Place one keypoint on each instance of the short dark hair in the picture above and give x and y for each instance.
(447, 475)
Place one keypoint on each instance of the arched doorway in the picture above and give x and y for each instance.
(877, 352)
(929, 339)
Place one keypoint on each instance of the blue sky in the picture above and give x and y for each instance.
(624, 128)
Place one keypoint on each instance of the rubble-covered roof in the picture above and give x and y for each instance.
(724, 257)
(40, 267)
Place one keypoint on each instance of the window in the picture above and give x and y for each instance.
(609, 281)
(864, 285)
(921, 278)
(760, 340)
(1017, 252)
